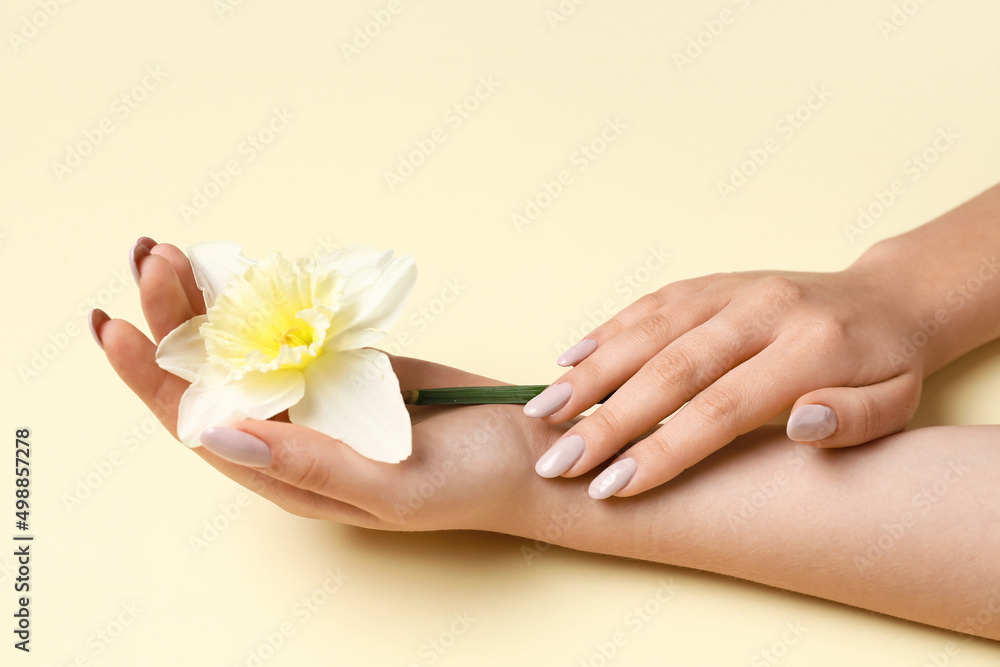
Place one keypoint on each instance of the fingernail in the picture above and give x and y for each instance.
(236, 446)
(96, 318)
(560, 457)
(613, 480)
(146, 241)
(550, 400)
(134, 257)
(811, 422)
(577, 353)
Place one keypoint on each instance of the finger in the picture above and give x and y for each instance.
(667, 381)
(746, 398)
(164, 302)
(629, 316)
(288, 497)
(182, 267)
(305, 459)
(133, 356)
(846, 416)
(620, 358)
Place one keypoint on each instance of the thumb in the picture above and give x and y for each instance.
(847, 416)
(295, 455)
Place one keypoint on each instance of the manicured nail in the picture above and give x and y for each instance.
(577, 353)
(613, 480)
(236, 446)
(560, 457)
(811, 422)
(549, 401)
(96, 318)
(134, 257)
(146, 241)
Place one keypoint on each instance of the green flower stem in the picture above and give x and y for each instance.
(518, 394)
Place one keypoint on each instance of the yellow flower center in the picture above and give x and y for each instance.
(277, 315)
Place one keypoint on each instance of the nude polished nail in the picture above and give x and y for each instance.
(96, 318)
(577, 353)
(236, 446)
(549, 401)
(135, 256)
(614, 479)
(560, 457)
(811, 422)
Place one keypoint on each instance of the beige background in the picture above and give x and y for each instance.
(523, 295)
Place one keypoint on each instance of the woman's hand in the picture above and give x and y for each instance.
(467, 469)
(741, 347)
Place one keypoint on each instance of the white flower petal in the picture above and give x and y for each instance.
(182, 351)
(214, 400)
(378, 307)
(351, 259)
(213, 263)
(353, 396)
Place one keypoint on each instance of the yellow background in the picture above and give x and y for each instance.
(225, 70)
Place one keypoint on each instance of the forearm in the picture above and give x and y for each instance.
(949, 270)
(908, 525)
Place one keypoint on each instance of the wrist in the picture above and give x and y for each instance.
(906, 296)
(559, 511)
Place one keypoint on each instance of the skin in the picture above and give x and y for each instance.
(744, 347)
(907, 526)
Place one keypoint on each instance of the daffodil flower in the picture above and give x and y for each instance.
(292, 335)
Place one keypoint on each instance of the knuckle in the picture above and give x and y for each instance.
(654, 328)
(871, 415)
(673, 369)
(668, 456)
(718, 405)
(587, 373)
(828, 332)
(781, 291)
(294, 463)
(606, 423)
